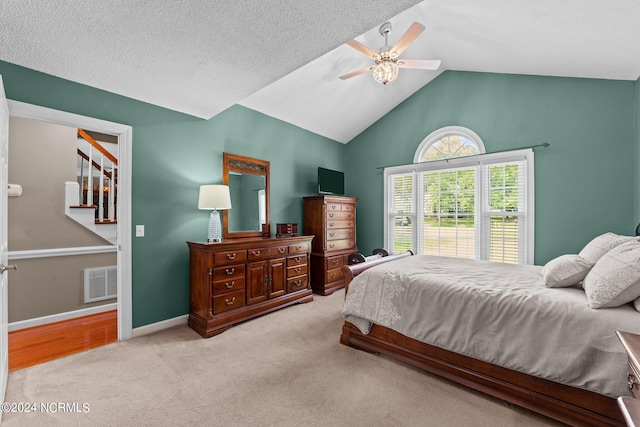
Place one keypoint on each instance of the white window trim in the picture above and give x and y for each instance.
(524, 154)
(437, 135)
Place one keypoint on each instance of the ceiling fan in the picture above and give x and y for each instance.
(387, 61)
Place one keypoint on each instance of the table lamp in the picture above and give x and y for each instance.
(214, 198)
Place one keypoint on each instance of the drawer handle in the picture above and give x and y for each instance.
(255, 253)
(335, 262)
(297, 282)
(350, 216)
(350, 224)
(281, 250)
(330, 224)
(297, 259)
(333, 206)
(331, 215)
(350, 233)
(229, 271)
(297, 269)
(331, 245)
(631, 381)
(233, 300)
(230, 285)
(333, 275)
(332, 234)
(232, 256)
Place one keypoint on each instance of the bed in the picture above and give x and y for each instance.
(500, 334)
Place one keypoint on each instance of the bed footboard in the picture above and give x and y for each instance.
(564, 403)
(351, 271)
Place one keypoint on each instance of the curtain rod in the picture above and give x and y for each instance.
(544, 145)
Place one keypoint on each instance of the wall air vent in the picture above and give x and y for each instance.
(100, 283)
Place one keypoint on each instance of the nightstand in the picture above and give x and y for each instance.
(631, 344)
(630, 406)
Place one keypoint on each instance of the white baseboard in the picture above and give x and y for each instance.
(159, 326)
(14, 326)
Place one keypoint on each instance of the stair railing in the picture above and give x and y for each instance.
(104, 156)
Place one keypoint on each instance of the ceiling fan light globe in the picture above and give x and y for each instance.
(385, 72)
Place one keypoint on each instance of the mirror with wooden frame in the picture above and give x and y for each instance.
(248, 181)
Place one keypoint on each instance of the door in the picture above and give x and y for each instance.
(4, 258)
(256, 282)
(277, 277)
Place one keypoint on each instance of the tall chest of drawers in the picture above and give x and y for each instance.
(238, 279)
(332, 219)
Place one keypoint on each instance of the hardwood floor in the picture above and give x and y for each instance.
(39, 344)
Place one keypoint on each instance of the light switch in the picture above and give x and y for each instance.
(139, 230)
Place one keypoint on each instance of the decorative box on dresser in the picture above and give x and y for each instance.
(332, 219)
(238, 279)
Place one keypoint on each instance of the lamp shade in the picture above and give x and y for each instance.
(214, 197)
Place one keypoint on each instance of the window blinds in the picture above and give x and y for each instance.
(480, 207)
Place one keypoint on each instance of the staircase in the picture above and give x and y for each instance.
(97, 170)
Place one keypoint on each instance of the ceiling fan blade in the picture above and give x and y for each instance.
(357, 73)
(363, 49)
(422, 64)
(414, 31)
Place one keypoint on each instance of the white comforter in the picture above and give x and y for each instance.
(499, 313)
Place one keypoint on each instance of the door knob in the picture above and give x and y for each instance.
(4, 268)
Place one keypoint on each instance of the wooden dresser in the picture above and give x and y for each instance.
(239, 279)
(332, 219)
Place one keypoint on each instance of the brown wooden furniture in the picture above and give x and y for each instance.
(239, 279)
(568, 404)
(332, 219)
(630, 406)
(631, 344)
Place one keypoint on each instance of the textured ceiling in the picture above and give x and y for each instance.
(283, 58)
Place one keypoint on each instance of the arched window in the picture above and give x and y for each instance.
(453, 201)
(448, 142)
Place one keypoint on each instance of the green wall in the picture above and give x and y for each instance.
(173, 154)
(584, 181)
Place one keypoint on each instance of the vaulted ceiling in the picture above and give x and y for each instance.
(283, 58)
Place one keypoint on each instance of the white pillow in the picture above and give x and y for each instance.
(596, 248)
(565, 271)
(615, 279)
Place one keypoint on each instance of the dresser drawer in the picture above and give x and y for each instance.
(340, 223)
(334, 275)
(263, 253)
(346, 233)
(229, 257)
(297, 270)
(296, 283)
(296, 260)
(345, 207)
(230, 285)
(226, 302)
(331, 215)
(334, 262)
(337, 245)
(298, 248)
(228, 273)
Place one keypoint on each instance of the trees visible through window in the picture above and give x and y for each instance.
(456, 203)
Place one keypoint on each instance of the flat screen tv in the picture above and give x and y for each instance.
(330, 182)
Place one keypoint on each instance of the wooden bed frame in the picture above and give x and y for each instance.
(561, 402)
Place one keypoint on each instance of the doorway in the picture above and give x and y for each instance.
(122, 247)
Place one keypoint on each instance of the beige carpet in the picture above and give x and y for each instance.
(283, 369)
